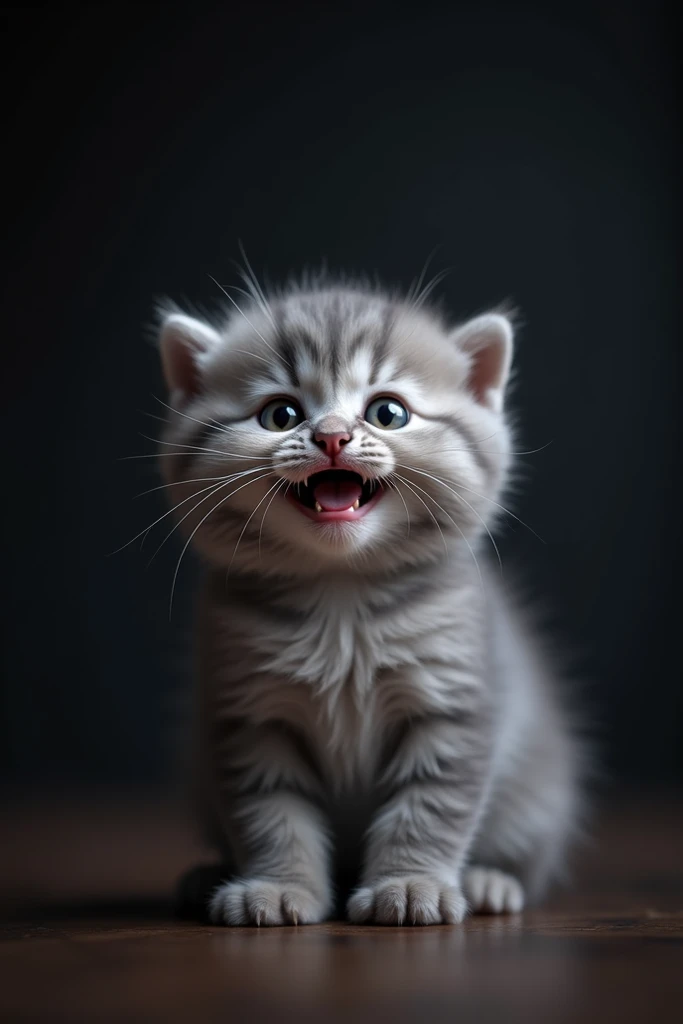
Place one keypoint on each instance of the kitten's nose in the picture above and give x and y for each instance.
(331, 442)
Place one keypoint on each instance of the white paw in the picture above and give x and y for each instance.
(257, 902)
(490, 891)
(417, 899)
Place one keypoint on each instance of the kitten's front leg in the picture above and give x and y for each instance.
(438, 777)
(277, 834)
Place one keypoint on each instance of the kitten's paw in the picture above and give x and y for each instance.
(490, 891)
(417, 899)
(262, 902)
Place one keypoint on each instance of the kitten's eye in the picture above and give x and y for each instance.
(281, 414)
(387, 413)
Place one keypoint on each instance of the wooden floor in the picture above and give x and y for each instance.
(89, 935)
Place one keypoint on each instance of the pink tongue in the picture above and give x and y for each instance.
(336, 497)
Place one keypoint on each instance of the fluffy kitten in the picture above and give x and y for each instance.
(336, 455)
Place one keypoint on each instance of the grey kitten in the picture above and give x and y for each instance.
(365, 688)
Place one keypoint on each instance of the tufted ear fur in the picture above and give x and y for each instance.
(184, 342)
(488, 342)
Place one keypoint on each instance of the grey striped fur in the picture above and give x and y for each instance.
(362, 678)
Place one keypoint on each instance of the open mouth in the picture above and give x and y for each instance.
(335, 495)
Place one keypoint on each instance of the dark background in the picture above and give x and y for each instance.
(535, 144)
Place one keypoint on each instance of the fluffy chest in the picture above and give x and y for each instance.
(346, 668)
(336, 644)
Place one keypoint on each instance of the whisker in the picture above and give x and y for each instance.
(532, 451)
(395, 487)
(436, 521)
(193, 419)
(199, 524)
(163, 455)
(227, 294)
(163, 516)
(289, 484)
(192, 480)
(197, 448)
(469, 449)
(195, 507)
(251, 278)
(414, 289)
(502, 508)
(169, 511)
(464, 500)
(469, 546)
(211, 423)
(429, 288)
(254, 355)
(484, 497)
(244, 528)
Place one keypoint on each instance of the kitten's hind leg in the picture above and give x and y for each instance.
(490, 891)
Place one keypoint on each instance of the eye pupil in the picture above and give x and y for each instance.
(385, 414)
(282, 415)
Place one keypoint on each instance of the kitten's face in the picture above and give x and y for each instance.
(334, 427)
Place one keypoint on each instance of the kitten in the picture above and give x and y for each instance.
(365, 687)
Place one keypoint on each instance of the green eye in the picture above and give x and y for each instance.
(387, 414)
(281, 414)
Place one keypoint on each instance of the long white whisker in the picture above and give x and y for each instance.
(195, 507)
(414, 290)
(178, 412)
(532, 451)
(252, 355)
(253, 279)
(199, 524)
(277, 354)
(211, 423)
(232, 478)
(169, 511)
(244, 528)
(396, 488)
(464, 500)
(429, 288)
(478, 441)
(169, 455)
(194, 480)
(469, 546)
(289, 484)
(501, 507)
(197, 448)
(195, 494)
(436, 521)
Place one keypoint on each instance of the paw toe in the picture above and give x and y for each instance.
(264, 903)
(493, 892)
(416, 900)
(391, 902)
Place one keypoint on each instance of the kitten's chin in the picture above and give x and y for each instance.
(336, 535)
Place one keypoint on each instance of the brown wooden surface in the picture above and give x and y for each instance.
(88, 934)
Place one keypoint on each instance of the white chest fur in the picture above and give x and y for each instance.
(345, 665)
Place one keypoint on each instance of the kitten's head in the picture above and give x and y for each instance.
(334, 425)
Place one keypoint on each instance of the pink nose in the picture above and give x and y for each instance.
(331, 444)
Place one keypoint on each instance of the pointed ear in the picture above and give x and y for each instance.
(184, 342)
(487, 340)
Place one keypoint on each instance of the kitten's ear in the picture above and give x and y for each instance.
(184, 342)
(488, 342)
